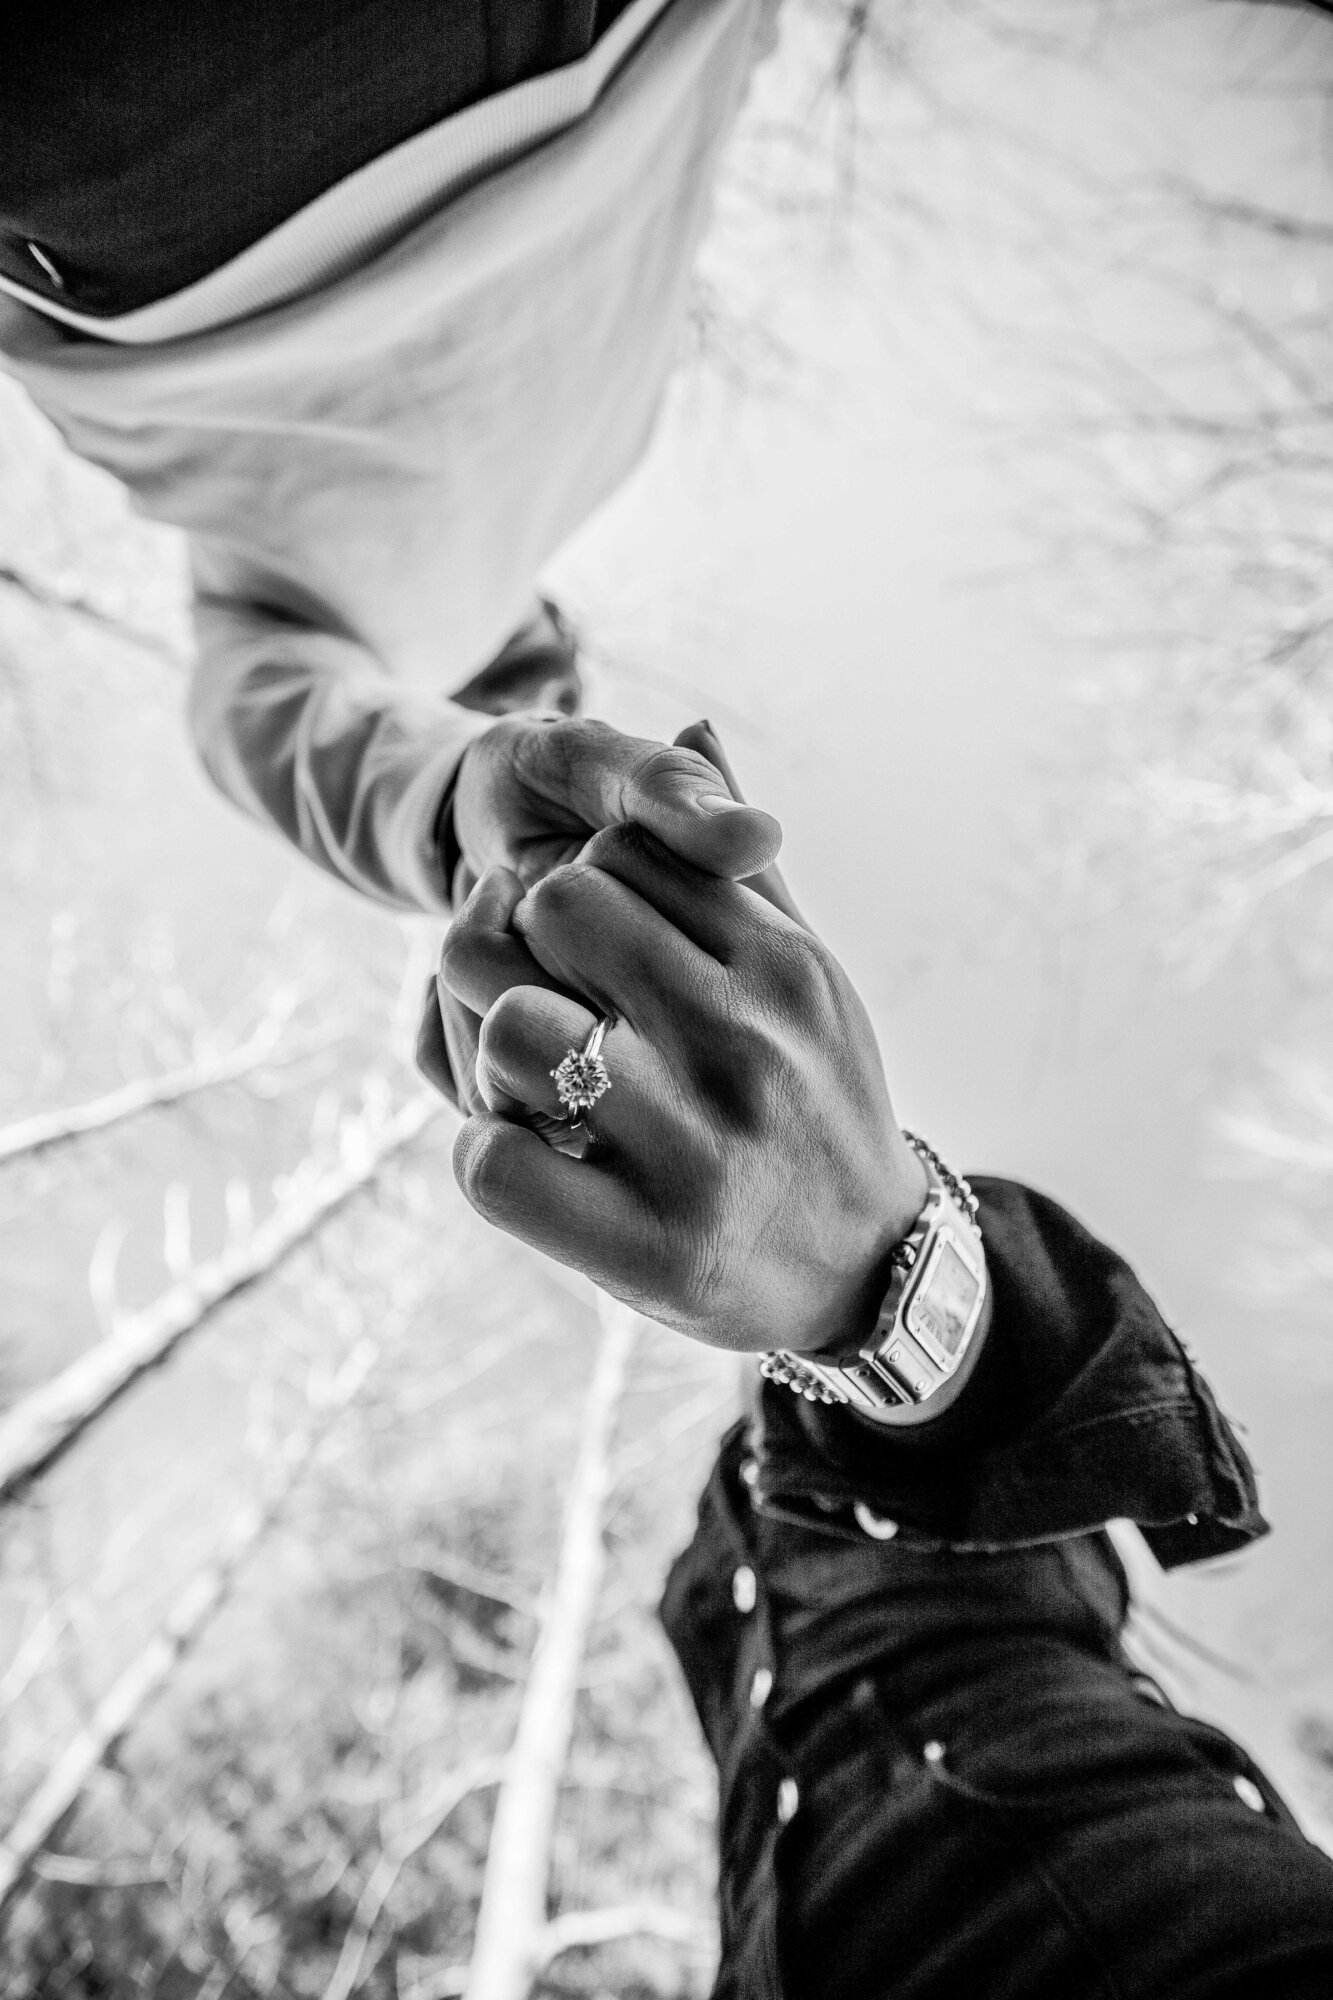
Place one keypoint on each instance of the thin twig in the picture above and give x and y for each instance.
(576, 1930)
(85, 1873)
(579, 1930)
(443, 1566)
(425, 1818)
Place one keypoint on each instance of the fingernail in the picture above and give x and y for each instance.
(714, 802)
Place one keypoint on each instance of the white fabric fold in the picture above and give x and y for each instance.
(373, 474)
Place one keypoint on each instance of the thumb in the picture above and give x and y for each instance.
(680, 795)
(767, 882)
(586, 773)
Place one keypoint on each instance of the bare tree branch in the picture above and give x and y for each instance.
(151, 1670)
(143, 1093)
(509, 1947)
(51, 597)
(44, 1423)
(1275, 222)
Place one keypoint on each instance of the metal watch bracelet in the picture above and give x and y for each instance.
(928, 1318)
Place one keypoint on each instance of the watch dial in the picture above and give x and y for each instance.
(943, 1305)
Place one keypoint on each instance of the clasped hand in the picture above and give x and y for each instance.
(746, 1178)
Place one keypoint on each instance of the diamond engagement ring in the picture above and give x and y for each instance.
(581, 1075)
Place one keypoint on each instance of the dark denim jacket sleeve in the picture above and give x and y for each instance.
(1085, 1408)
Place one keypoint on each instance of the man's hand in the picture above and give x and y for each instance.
(449, 1031)
(747, 1178)
(535, 788)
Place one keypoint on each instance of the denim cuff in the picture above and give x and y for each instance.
(1086, 1408)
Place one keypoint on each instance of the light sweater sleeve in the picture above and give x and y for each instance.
(303, 729)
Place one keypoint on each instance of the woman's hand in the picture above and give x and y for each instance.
(746, 1179)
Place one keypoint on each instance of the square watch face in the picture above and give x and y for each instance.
(944, 1301)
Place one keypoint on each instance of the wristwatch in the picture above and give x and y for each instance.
(927, 1322)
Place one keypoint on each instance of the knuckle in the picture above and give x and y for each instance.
(614, 846)
(504, 1037)
(667, 760)
(508, 744)
(799, 973)
(559, 745)
(535, 748)
(458, 953)
(479, 931)
(629, 853)
(477, 1167)
(472, 956)
(555, 901)
(487, 1167)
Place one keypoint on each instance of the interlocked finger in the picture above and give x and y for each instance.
(482, 956)
(594, 936)
(526, 1036)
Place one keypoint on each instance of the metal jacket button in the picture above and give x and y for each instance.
(1246, 1789)
(789, 1798)
(761, 1686)
(878, 1526)
(744, 1589)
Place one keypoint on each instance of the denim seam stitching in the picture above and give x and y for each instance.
(1076, 1918)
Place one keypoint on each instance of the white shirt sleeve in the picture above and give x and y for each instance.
(304, 729)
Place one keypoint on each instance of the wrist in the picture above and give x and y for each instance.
(845, 1303)
(930, 1325)
(919, 1417)
(447, 837)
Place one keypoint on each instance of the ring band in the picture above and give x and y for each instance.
(581, 1075)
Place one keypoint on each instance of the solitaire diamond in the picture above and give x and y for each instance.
(580, 1079)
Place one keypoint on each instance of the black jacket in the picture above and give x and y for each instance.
(940, 1775)
(1085, 1408)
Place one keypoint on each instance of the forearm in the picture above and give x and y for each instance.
(303, 730)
